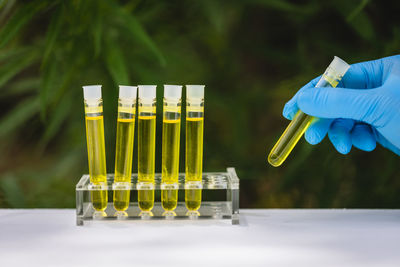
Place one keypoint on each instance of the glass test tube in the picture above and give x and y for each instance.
(194, 147)
(170, 148)
(301, 121)
(146, 148)
(96, 148)
(124, 149)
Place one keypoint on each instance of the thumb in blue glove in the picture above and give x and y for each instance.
(362, 111)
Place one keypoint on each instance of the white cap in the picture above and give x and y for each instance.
(172, 91)
(127, 91)
(92, 92)
(194, 91)
(147, 91)
(339, 66)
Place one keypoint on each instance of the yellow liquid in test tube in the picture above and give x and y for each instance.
(194, 160)
(170, 149)
(97, 160)
(94, 123)
(194, 148)
(124, 149)
(170, 162)
(302, 121)
(146, 148)
(123, 161)
(146, 158)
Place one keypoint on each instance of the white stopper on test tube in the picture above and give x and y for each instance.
(147, 91)
(127, 92)
(92, 92)
(195, 91)
(172, 91)
(339, 65)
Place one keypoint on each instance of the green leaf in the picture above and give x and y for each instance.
(56, 120)
(18, 63)
(3, 3)
(12, 191)
(5, 7)
(21, 87)
(360, 22)
(11, 53)
(21, 17)
(136, 29)
(49, 82)
(97, 31)
(52, 34)
(363, 26)
(20, 114)
(116, 63)
(356, 17)
(357, 10)
(285, 6)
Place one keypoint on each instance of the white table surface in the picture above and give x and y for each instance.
(49, 237)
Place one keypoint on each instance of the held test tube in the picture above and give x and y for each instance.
(124, 149)
(146, 148)
(301, 121)
(194, 147)
(170, 148)
(96, 148)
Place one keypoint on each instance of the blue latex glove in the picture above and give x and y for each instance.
(367, 114)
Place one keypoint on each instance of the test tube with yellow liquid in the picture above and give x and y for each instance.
(146, 148)
(170, 148)
(96, 148)
(124, 149)
(301, 121)
(194, 148)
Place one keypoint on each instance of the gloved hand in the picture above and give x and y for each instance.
(362, 116)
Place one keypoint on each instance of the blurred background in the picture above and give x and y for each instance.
(251, 55)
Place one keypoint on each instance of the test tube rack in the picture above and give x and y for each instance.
(220, 199)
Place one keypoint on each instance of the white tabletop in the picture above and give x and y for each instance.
(45, 237)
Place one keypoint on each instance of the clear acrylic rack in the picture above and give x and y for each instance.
(220, 199)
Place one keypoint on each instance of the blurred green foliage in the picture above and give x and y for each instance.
(252, 55)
